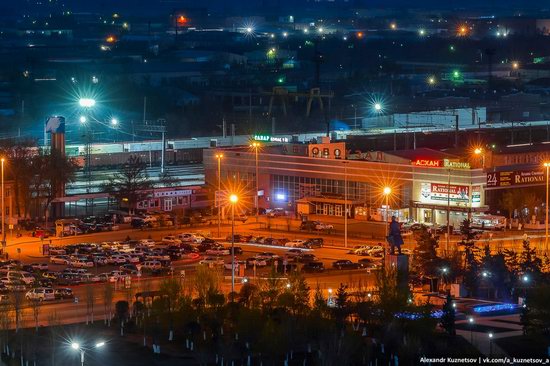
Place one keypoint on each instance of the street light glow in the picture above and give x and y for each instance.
(377, 107)
(114, 121)
(471, 320)
(86, 102)
(99, 344)
(491, 335)
(75, 345)
(525, 278)
(233, 198)
(82, 119)
(387, 190)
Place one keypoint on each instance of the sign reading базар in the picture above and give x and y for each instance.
(515, 178)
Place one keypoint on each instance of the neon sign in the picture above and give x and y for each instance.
(428, 162)
(267, 138)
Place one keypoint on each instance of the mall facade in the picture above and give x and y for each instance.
(322, 178)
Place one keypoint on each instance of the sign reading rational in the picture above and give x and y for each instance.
(515, 178)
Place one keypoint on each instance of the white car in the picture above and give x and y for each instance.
(40, 294)
(296, 243)
(151, 265)
(40, 266)
(59, 259)
(88, 277)
(118, 259)
(147, 242)
(212, 262)
(375, 249)
(323, 226)
(218, 251)
(266, 256)
(190, 238)
(82, 263)
(171, 239)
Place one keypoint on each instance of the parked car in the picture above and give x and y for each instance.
(59, 259)
(277, 212)
(63, 293)
(212, 262)
(267, 256)
(89, 278)
(251, 262)
(57, 251)
(305, 258)
(218, 251)
(227, 265)
(296, 243)
(314, 243)
(368, 264)
(291, 253)
(82, 263)
(311, 267)
(130, 269)
(147, 242)
(40, 294)
(151, 265)
(171, 239)
(345, 264)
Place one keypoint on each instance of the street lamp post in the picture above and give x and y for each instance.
(387, 192)
(256, 145)
(547, 166)
(77, 347)
(233, 199)
(471, 322)
(218, 193)
(479, 151)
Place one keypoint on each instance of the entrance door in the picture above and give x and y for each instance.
(338, 210)
(331, 210)
(427, 216)
(325, 208)
(168, 204)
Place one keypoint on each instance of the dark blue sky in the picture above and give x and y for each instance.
(156, 6)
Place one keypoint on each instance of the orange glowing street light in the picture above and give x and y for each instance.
(110, 39)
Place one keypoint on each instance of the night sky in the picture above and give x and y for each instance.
(148, 6)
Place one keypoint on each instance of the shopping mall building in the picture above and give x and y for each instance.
(321, 178)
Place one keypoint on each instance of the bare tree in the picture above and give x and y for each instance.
(130, 184)
(5, 325)
(53, 324)
(108, 302)
(17, 303)
(90, 303)
(35, 306)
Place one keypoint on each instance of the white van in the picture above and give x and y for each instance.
(151, 265)
(40, 294)
(25, 277)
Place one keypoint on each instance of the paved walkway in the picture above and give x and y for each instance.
(500, 326)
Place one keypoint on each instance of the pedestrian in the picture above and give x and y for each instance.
(394, 237)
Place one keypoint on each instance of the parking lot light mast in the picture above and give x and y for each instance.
(233, 199)
(256, 146)
(219, 156)
(78, 347)
(387, 192)
(3, 208)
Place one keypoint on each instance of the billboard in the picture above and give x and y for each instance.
(515, 178)
(430, 192)
(55, 124)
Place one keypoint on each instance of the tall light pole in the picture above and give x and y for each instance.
(77, 347)
(387, 192)
(233, 199)
(479, 151)
(547, 166)
(219, 156)
(3, 208)
(255, 146)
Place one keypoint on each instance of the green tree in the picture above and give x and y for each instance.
(536, 316)
(426, 263)
(130, 185)
(529, 263)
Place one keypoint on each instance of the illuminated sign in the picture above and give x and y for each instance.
(445, 163)
(455, 164)
(428, 162)
(268, 138)
(515, 178)
(430, 192)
